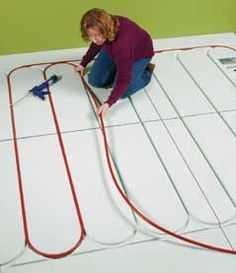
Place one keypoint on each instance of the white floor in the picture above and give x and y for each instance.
(172, 146)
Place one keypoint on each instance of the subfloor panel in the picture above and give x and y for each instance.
(167, 168)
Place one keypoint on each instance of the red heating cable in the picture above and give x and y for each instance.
(126, 199)
(20, 183)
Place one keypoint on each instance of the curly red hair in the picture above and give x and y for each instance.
(106, 23)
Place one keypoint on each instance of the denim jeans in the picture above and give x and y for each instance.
(103, 74)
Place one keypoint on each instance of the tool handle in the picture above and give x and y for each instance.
(53, 79)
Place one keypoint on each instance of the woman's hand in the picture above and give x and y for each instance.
(103, 110)
(80, 69)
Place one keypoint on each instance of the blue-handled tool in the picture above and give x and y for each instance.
(41, 90)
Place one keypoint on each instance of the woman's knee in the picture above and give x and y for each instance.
(95, 81)
(102, 79)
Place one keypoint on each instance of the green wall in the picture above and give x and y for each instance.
(31, 25)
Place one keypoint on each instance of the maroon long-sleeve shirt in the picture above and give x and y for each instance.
(131, 44)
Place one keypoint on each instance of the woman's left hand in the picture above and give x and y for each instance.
(103, 110)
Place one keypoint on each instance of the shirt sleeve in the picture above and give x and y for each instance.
(123, 59)
(90, 54)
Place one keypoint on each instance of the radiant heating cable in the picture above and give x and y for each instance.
(122, 193)
(20, 182)
(126, 199)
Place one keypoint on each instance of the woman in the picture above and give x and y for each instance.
(125, 51)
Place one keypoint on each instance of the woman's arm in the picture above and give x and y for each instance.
(90, 54)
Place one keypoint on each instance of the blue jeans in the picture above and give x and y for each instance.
(103, 74)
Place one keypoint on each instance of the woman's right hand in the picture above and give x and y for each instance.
(80, 69)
